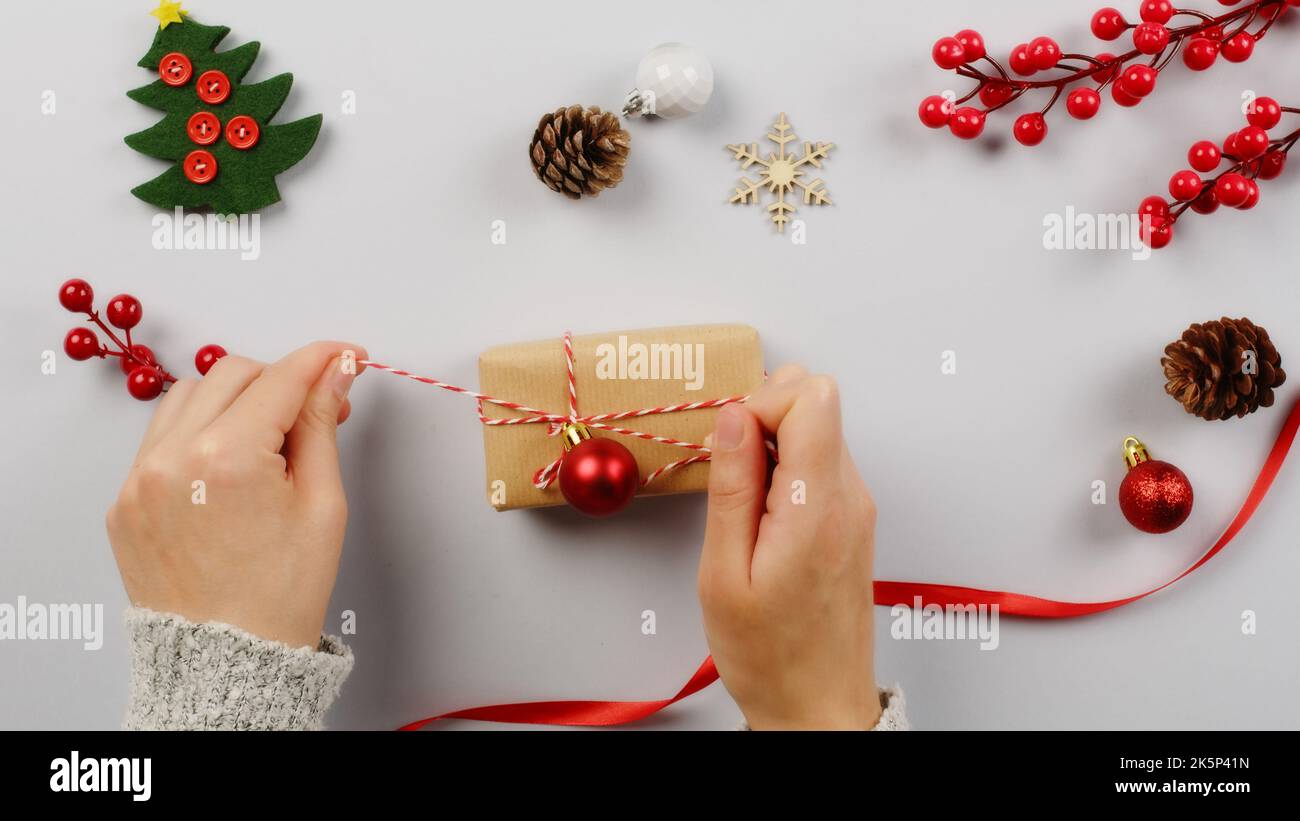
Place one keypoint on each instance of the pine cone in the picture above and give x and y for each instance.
(1209, 372)
(578, 151)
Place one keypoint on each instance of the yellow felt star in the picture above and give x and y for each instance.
(168, 12)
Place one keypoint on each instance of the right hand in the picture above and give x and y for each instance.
(786, 580)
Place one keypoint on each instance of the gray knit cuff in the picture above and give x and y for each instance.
(893, 711)
(893, 715)
(188, 676)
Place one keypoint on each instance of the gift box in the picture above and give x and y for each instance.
(613, 372)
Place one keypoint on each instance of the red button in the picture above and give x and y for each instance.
(200, 166)
(213, 87)
(175, 69)
(242, 132)
(204, 128)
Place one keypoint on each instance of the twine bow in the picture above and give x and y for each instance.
(544, 476)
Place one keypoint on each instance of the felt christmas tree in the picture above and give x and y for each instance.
(217, 134)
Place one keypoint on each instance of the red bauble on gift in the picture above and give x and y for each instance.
(1155, 496)
(597, 476)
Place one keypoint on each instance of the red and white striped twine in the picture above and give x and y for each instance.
(545, 476)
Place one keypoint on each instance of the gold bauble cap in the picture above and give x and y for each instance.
(1135, 453)
(572, 434)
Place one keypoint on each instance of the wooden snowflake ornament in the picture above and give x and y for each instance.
(781, 173)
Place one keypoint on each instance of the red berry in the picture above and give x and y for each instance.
(1030, 129)
(1271, 165)
(1150, 38)
(948, 53)
(140, 355)
(1104, 75)
(1231, 190)
(1230, 146)
(1156, 11)
(935, 111)
(144, 382)
(1214, 33)
(972, 43)
(1108, 24)
(1138, 81)
(1264, 112)
(1122, 97)
(1020, 62)
(1204, 156)
(207, 357)
(81, 344)
(967, 123)
(1205, 203)
(1083, 103)
(994, 93)
(1200, 53)
(1185, 185)
(1153, 206)
(124, 311)
(1252, 196)
(1044, 53)
(1251, 142)
(1237, 49)
(1157, 231)
(77, 296)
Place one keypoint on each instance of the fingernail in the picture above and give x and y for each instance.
(342, 374)
(731, 428)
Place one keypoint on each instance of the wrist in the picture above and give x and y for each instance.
(858, 714)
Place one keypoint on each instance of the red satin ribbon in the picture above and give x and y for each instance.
(608, 713)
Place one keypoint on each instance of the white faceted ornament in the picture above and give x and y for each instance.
(673, 81)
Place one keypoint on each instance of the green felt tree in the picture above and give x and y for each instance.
(219, 160)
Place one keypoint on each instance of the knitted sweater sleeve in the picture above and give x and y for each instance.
(893, 715)
(188, 676)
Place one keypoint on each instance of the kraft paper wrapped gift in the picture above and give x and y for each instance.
(616, 371)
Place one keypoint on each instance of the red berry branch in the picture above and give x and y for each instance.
(146, 378)
(1131, 76)
(1251, 155)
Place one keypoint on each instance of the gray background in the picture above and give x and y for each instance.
(982, 478)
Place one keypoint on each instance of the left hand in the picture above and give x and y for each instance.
(260, 547)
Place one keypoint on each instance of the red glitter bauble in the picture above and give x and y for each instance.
(599, 476)
(1155, 496)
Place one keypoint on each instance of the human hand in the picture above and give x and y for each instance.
(785, 583)
(259, 548)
